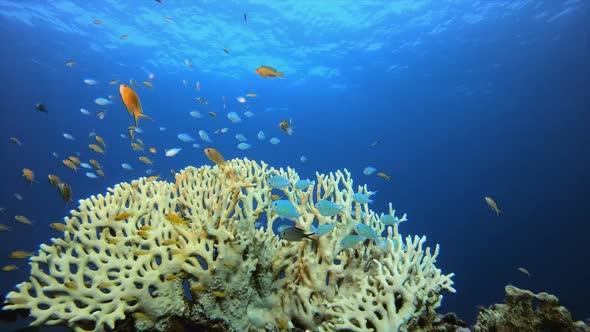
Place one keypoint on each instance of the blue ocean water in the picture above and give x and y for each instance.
(466, 99)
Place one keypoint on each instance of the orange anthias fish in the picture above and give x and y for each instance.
(173, 217)
(215, 156)
(66, 192)
(53, 179)
(286, 127)
(123, 216)
(131, 101)
(28, 175)
(266, 71)
(384, 175)
(70, 164)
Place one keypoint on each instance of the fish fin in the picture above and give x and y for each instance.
(137, 116)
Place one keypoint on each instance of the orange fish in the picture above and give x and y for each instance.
(20, 254)
(94, 163)
(8, 268)
(70, 164)
(100, 141)
(66, 192)
(123, 216)
(152, 178)
(146, 160)
(96, 148)
(131, 101)
(215, 156)
(174, 218)
(286, 126)
(384, 175)
(53, 179)
(75, 160)
(266, 71)
(28, 175)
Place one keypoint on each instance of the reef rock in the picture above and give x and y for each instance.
(525, 311)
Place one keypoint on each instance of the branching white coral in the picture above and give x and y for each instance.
(198, 233)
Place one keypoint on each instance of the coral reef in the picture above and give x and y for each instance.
(525, 311)
(155, 254)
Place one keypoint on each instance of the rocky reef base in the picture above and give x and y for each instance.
(523, 311)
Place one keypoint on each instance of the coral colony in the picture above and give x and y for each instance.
(206, 249)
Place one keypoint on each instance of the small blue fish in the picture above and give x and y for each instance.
(324, 229)
(350, 241)
(303, 184)
(381, 242)
(361, 198)
(244, 146)
(185, 137)
(369, 170)
(278, 182)
(91, 175)
(234, 117)
(328, 208)
(284, 209)
(365, 231)
(390, 219)
(102, 101)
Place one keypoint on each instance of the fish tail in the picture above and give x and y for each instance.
(498, 211)
(280, 74)
(138, 116)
